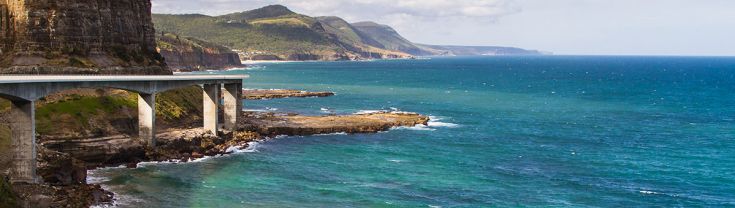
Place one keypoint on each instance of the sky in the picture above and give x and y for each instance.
(574, 27)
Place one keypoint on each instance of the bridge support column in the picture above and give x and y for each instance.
(211, 107)
(232, 105)
(147, 118)
(23, 135)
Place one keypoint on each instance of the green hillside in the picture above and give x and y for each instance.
(170, 41)
(386, 37)
(275, 31)
(278, 37)
(271, 30)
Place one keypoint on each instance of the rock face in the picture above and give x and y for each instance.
(78, 37)
(191, 54)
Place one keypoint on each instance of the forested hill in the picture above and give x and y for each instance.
(277, 33)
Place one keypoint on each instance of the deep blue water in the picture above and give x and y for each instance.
(559, 131)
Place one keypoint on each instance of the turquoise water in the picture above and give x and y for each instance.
(559, 131)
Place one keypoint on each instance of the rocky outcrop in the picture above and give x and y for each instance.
(59, 168)
(43, 195)
(63, 162)
(65, 185)
(274, 124)
(78, 37)
(101, 151)
(181, 145)
(256, 94)
(191, 54)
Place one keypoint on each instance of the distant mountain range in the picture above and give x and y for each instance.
(277, 33)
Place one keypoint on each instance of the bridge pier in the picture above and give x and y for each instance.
(211, 103)
(147, 118)
(23, 136)
(232, 105)
(24, 90)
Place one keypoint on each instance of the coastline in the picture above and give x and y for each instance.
(178, 146)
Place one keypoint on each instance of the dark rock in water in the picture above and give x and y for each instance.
(273, 94)
(131, 165)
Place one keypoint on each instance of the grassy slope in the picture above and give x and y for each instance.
(281, 37)
(95, 114)
(77, 112)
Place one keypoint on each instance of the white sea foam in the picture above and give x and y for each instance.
(442, 124)
(252, 147)
(419, 127)
(363, 112)
(648, 192)
(94, 178)
(393, 111)
(332, 134)
(435, 121)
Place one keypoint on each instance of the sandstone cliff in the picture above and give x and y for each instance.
(78, 37)
(191, 54)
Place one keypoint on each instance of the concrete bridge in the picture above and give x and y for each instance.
(24, 90)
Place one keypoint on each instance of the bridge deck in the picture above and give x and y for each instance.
(11, 79)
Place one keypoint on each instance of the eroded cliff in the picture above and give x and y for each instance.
(78, 37)
(191, 54)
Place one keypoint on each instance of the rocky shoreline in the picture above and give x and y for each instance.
(63, 164)
(275, 124)
(260, 94)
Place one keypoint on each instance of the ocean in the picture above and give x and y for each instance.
(509, 131)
